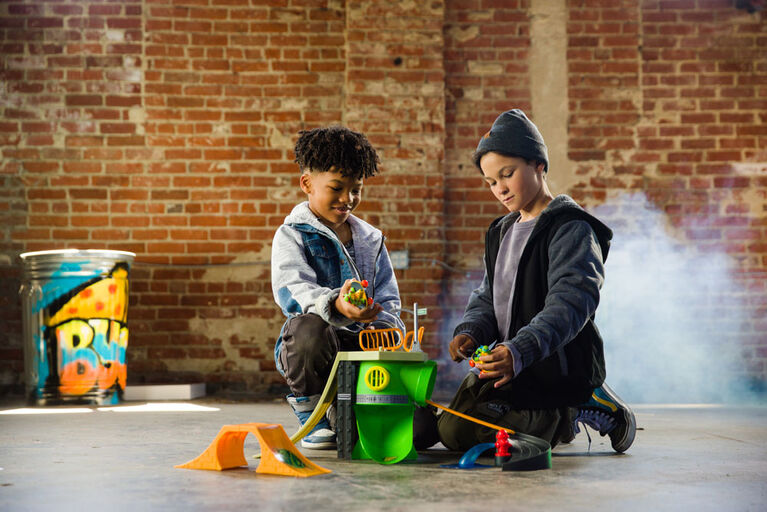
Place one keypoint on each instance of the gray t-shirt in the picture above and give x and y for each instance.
(509, 253)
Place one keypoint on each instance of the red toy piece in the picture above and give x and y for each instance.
(502, 448)
(502, 443)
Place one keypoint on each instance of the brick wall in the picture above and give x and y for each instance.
(166, 128)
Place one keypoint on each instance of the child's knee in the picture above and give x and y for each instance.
(305, 336)
(457, 433)
(306, 324)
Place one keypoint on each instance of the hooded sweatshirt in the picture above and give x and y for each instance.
(556, 347)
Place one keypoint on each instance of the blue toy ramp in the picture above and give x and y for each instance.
(469, 459)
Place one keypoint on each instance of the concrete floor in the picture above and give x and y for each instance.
(684, 458)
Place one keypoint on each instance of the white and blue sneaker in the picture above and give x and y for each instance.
(609, 415)
(321, 436)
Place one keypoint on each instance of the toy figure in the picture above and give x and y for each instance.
(357, 295)
(481, 351)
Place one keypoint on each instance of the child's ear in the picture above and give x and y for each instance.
(305, 182)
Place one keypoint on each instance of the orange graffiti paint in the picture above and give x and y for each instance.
(108, 375)
(78, 378)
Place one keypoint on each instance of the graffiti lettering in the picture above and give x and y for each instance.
(91, 353)
(86, 337)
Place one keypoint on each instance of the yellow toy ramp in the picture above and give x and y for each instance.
(278, 454)
(327, 397)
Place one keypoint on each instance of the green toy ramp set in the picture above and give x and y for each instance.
(384, 430)
(377, 395)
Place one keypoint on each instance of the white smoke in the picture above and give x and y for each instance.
(671, 318)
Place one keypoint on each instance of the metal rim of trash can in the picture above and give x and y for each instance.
(42, 263)
(55, 253)
(72, 251)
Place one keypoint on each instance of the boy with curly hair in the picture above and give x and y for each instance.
(320, 247)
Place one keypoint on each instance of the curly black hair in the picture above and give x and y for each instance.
(337, 148)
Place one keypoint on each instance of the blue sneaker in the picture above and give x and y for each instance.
(609, 415)
(321, 436)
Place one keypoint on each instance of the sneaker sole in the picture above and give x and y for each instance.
(326, 445)
(627, 440)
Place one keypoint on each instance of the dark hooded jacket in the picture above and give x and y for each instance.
(557, 349)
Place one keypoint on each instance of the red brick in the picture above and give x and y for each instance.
(84, 100)
(732, 182)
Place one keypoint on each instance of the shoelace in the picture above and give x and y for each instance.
(598, 420)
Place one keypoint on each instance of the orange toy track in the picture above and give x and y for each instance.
(279, 456)
(469, 418)
(387, 339)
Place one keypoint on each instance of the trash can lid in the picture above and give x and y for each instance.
(89, 252)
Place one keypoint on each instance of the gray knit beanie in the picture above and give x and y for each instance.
(513, 134)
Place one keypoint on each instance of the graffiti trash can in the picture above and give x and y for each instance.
(75, 308)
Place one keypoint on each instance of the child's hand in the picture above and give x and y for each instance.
(462, 347)
(498, 364)
(351, 311)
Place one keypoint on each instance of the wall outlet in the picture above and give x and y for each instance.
(400, 260)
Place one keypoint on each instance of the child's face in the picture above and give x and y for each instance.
(514, 182)
(332, 197)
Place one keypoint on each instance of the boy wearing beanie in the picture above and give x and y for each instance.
(544, 267)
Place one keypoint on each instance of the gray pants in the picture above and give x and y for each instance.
(309, 347)
(479, 399)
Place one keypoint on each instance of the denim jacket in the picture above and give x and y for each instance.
(309, 266)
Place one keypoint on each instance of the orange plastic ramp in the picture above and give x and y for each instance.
(226, 450)
(279, 458)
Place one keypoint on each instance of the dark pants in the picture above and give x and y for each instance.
(309, 347)
(479, 399)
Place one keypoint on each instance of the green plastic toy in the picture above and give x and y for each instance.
(389, 385)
